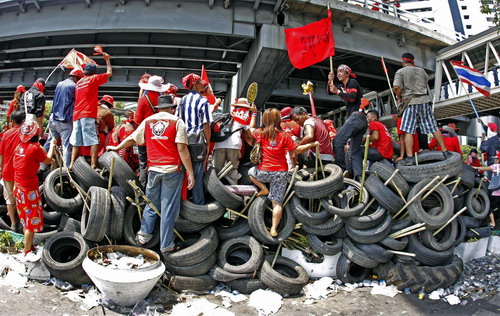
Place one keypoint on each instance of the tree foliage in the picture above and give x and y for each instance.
(489, 7)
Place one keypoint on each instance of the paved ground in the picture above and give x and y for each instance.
(44, 300)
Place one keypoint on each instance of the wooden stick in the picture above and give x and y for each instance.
(399, 190)
(318, 153)
(139, 209)
(411, 232)
(404, 230)
(237, 213)
(449, 221)
(416, 159)
(479, 187)
(223, 174)
(246, 206)
(373, 199)
(365, 159)
(416, 196)
(290, 185)
(401, 253)
(456, 184)
(111, 172)
(435, 187)
(453, 182)
(178, 235)
(276, 255)
(288, 198)
(474, 231)
(228, 165)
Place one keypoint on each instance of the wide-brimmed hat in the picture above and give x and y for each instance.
(166, 101)
(242, 103)
(449, 130)
(28, 130)
(155, 83)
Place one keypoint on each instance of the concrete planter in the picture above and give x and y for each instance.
(494, 244)
(472, 250)
(327, 268)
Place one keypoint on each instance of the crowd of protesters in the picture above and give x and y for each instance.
(173, 137)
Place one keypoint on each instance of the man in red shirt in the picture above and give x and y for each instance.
(381, 141)
(8, 144)
(450, 140)
(85, 113)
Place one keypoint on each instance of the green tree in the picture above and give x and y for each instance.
(491, 6)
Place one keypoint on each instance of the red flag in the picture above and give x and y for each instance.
(76, 60)
(210, 95)
(310, 44)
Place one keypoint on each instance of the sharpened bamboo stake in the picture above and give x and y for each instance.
(402, 253)
(411, 232)
(416, 196)
(479, 187)
(402, 231)
(237, 213)
(435, 187)
(111, 172)
(373, 199)
(475, 232)
(223, 174)
(456, 184)
(288, 199)
(226, 166)
(449, 221)
(318, 153)
(398, 190)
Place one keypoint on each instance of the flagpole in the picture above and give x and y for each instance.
(331, 57)
(388, 80)
(466, 92)
(47, 79)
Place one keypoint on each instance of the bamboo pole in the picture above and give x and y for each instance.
(111, 172)
(411, 232)
(276, 255)
(290, 185)
(237, 213)
(318, 154)
(373, 199)
(449, 221)
(226, 171)
(474, 231)
(402, 231)
(227, 165)
(456, 184)
(398, 190)
(416, 196)
(365, 158)
(479, 187)
(435, 187)
(288, 199)
(401, 253)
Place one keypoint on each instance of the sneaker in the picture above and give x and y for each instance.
(143, 238)
(408, 161)
(447, 154)
(31, 257)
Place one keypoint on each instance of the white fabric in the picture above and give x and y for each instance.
(234, 141)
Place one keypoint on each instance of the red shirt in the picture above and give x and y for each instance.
(321, 135)
(274, 152)
(384, 142)
(290, 127)
(87, 95)
(451, 144)
(144, 110)
(27, 159)
(8, 145)
(416, 148)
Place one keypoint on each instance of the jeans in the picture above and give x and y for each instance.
(198, 191)
(164, 191)
(374, 155)
(354, 128)
(61, 130)
(143, 165)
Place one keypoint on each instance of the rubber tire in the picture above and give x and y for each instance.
(257, 224)
(372, 235)
(367, 221)
(41, 238)
(57, 203)
(320, 188)
(384, 196)
(419, 215)
(484, 200)
(121, 173)
(193, 270)
(63, 254)
(384, 169)
(446, 239)
(200, 283)
(132, 224)
(227, 231)
(221, 275)
(303, 215)
(69, 224)
(427, 256)
(356, 255)
(220, 193)
(438, 167)
(197, 252)
(376, 252)
(401, 224)
(246, 286)
(244, 242)
(469, 222)
(118, 207)
(467, 176)
(87, 176)
(322, 247)
(277, 281)
(345, 268)
(461, 232)
(328, 228)
(484, 232)
(203, 214)
(344, 210)
(95, 221)
(395, 244)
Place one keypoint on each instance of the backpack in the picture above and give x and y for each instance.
(221, 127)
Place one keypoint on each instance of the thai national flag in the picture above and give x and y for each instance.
(472, 77)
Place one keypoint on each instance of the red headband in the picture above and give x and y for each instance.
(408, 60)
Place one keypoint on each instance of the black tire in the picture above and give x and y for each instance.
(350, 272)
(480, 232)
(370, 220)
(51, 216)
(227, 230)
(246, 286)
(427, 256)
(461, 232)
(132, 224)
(401, 224)
(432, 164)
(384, 196)
(328, 228)
(372, 235)
(481, 210)
(192, 270)
(69, 224)
(203, 214)
(220, 193)
(468, 176)
(87, 176)
(40, 238)
(70, 202)
(246, 242)
(195, 253)
(305, 189)
(407, 261)
(442, 241)
(356, 255)
(63, 255)
(183, 225)
(328, 246)
(277, 281)
(376, 252)
(122, 172)
(95, 221)
(118, 207)
(303, 215)
(394, 244)
(419, 215)
(341, 203)
(384, 169)
(221, 275)
(193, 283)
(256, 220)
(469, 222)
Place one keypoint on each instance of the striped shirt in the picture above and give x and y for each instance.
(195, 111)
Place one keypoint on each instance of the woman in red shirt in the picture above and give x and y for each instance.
(273, 169)
(14, 104)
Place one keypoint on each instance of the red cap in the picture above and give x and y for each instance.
(28, 130)
(497, 155)
(77, 73)
(21, 88)
(285, 112)
(108, 99)
(493, 127)
(364, 103)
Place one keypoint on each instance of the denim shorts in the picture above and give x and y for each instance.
(84, 132)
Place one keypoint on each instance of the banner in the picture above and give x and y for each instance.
(472, 77)
(76, 60)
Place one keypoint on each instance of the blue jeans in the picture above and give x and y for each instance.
(354, 128)
(61, 130)
(143, 165)
(198, 192)
(164, 191)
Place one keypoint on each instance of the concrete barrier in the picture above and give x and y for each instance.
(472, 250)
(327, 268)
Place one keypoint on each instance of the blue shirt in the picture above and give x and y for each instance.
(195, 112)
(64, 101)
